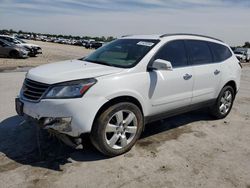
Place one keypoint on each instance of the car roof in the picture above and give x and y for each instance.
(179, 35)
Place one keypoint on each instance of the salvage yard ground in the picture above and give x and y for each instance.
(52, 52)
(190, 150)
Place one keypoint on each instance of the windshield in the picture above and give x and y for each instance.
(123, 53)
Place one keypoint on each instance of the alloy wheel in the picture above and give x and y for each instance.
(121, 129)
(226, 102)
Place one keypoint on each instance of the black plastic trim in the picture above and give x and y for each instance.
(167, 114)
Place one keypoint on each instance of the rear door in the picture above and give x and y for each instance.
(171, 89)
(207, 73)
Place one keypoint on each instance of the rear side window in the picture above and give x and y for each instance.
(220, 52)
(173, 52)
(199, 52)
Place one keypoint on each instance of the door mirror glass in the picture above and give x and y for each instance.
(160, 64)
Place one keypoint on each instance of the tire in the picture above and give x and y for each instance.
(14, 54)
(223, 106)
(117, 129)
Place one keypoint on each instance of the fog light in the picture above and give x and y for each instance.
(62, 124)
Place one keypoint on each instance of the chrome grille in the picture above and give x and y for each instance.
(33, 90)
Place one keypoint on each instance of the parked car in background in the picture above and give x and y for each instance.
(11, 50)
(33, 49)
(248, 54)
(94, 44)
(88, 44)
(97, 44)
(240, 55)
(116, 90)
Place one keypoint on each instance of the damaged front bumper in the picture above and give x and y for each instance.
(60, 124)
(59, 127)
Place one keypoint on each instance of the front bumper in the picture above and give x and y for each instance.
(35, 51)
(80, 113)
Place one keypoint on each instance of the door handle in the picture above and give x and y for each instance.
(187, 76)
(216, 72)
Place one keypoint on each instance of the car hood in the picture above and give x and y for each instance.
(69, 70)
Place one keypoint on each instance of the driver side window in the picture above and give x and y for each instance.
(174, 52)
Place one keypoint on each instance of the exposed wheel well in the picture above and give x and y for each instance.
(118, 100)
(233, 85)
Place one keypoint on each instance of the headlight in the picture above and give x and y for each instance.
(73, 89)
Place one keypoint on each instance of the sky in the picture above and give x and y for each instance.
(228, 20)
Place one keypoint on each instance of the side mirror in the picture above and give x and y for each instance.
(160, 64)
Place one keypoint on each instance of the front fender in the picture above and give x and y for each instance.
(133, 94)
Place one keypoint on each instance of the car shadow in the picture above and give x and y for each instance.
(26, 144)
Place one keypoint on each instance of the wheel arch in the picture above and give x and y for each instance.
(13, 51)
(232, 83)
(115, 100)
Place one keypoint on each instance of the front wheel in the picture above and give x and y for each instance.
(117, 129)
(14, 54)
(223, 103)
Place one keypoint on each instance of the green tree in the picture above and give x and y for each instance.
(246, 45)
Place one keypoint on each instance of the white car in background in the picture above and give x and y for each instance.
(127, 83)
(243, 54)
(32, 48)
(240, 55)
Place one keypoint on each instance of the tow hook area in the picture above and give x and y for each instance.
(58, 126)
(62, 124)
(75, 143)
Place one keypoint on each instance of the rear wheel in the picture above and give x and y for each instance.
(224, 103)
(14, 54)
(117, 129)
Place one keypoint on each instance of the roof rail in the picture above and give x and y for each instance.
(197, 35)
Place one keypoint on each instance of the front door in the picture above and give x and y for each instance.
(171, 89)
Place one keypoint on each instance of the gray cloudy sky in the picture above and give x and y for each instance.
(228, 20)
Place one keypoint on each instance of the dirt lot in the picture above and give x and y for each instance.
(52, 52)
(190, 150)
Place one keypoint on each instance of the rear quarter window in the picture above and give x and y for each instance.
(220, 52)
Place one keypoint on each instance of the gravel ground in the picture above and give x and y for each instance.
(190, 150)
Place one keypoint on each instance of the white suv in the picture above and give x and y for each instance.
(127, 83)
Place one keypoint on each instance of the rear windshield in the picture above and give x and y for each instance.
(123, 53)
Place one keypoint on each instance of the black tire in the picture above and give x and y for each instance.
(14, 54)
(98, 132)
(215, 109)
